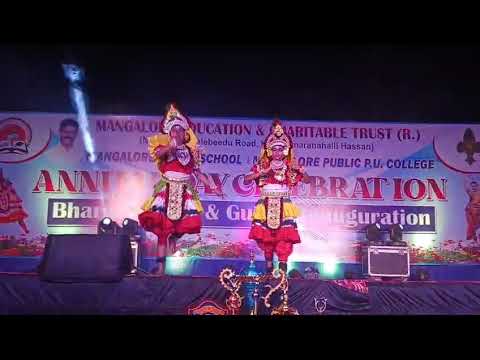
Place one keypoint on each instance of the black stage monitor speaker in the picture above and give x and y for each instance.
(86, 258)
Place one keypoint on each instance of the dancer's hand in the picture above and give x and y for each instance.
(172, 146)
(264, 172)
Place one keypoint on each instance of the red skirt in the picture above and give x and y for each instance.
(158, 223)
(265, 235)
(279, 241)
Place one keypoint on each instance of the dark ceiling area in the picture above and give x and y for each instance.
(331, 82)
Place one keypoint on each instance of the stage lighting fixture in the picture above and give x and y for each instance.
(130, 227)
(311, 272)
(107, 226)
(373, 234)
(423, 275)
(396, 233)
(132, 231)
(295, 274)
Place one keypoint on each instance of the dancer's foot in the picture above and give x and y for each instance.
(283, 266)
(269, 267)
(159, 270)
(172, 243)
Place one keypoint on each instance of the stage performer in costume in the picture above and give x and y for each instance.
(276, 173)
(175, 208)
(472, 210)
(11, 209)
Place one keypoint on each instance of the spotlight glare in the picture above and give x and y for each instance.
(177, 265)
(75, 75)
(329, 266)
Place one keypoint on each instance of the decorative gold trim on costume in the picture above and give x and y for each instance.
(175, 200)
(185, 181)
(274, 205)
(292, 175)
(275, 194)
(280, 174)
(290, 211)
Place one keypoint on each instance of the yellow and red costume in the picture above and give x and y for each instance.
(174, 208)
(11, 209)
(274, 227)
(472, 213)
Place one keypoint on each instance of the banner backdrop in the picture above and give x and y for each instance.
(423, 176)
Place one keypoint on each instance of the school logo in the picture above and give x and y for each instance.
(469, 146)
(17, 141)
(458, 149)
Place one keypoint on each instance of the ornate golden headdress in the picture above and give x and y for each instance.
(174, 117)
(277, 137)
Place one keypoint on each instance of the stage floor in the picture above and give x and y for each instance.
(25, 294)
(211, 267)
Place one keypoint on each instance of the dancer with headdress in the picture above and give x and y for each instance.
(472, 210)
(11, 209)
(175, 208)
(277, 171)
